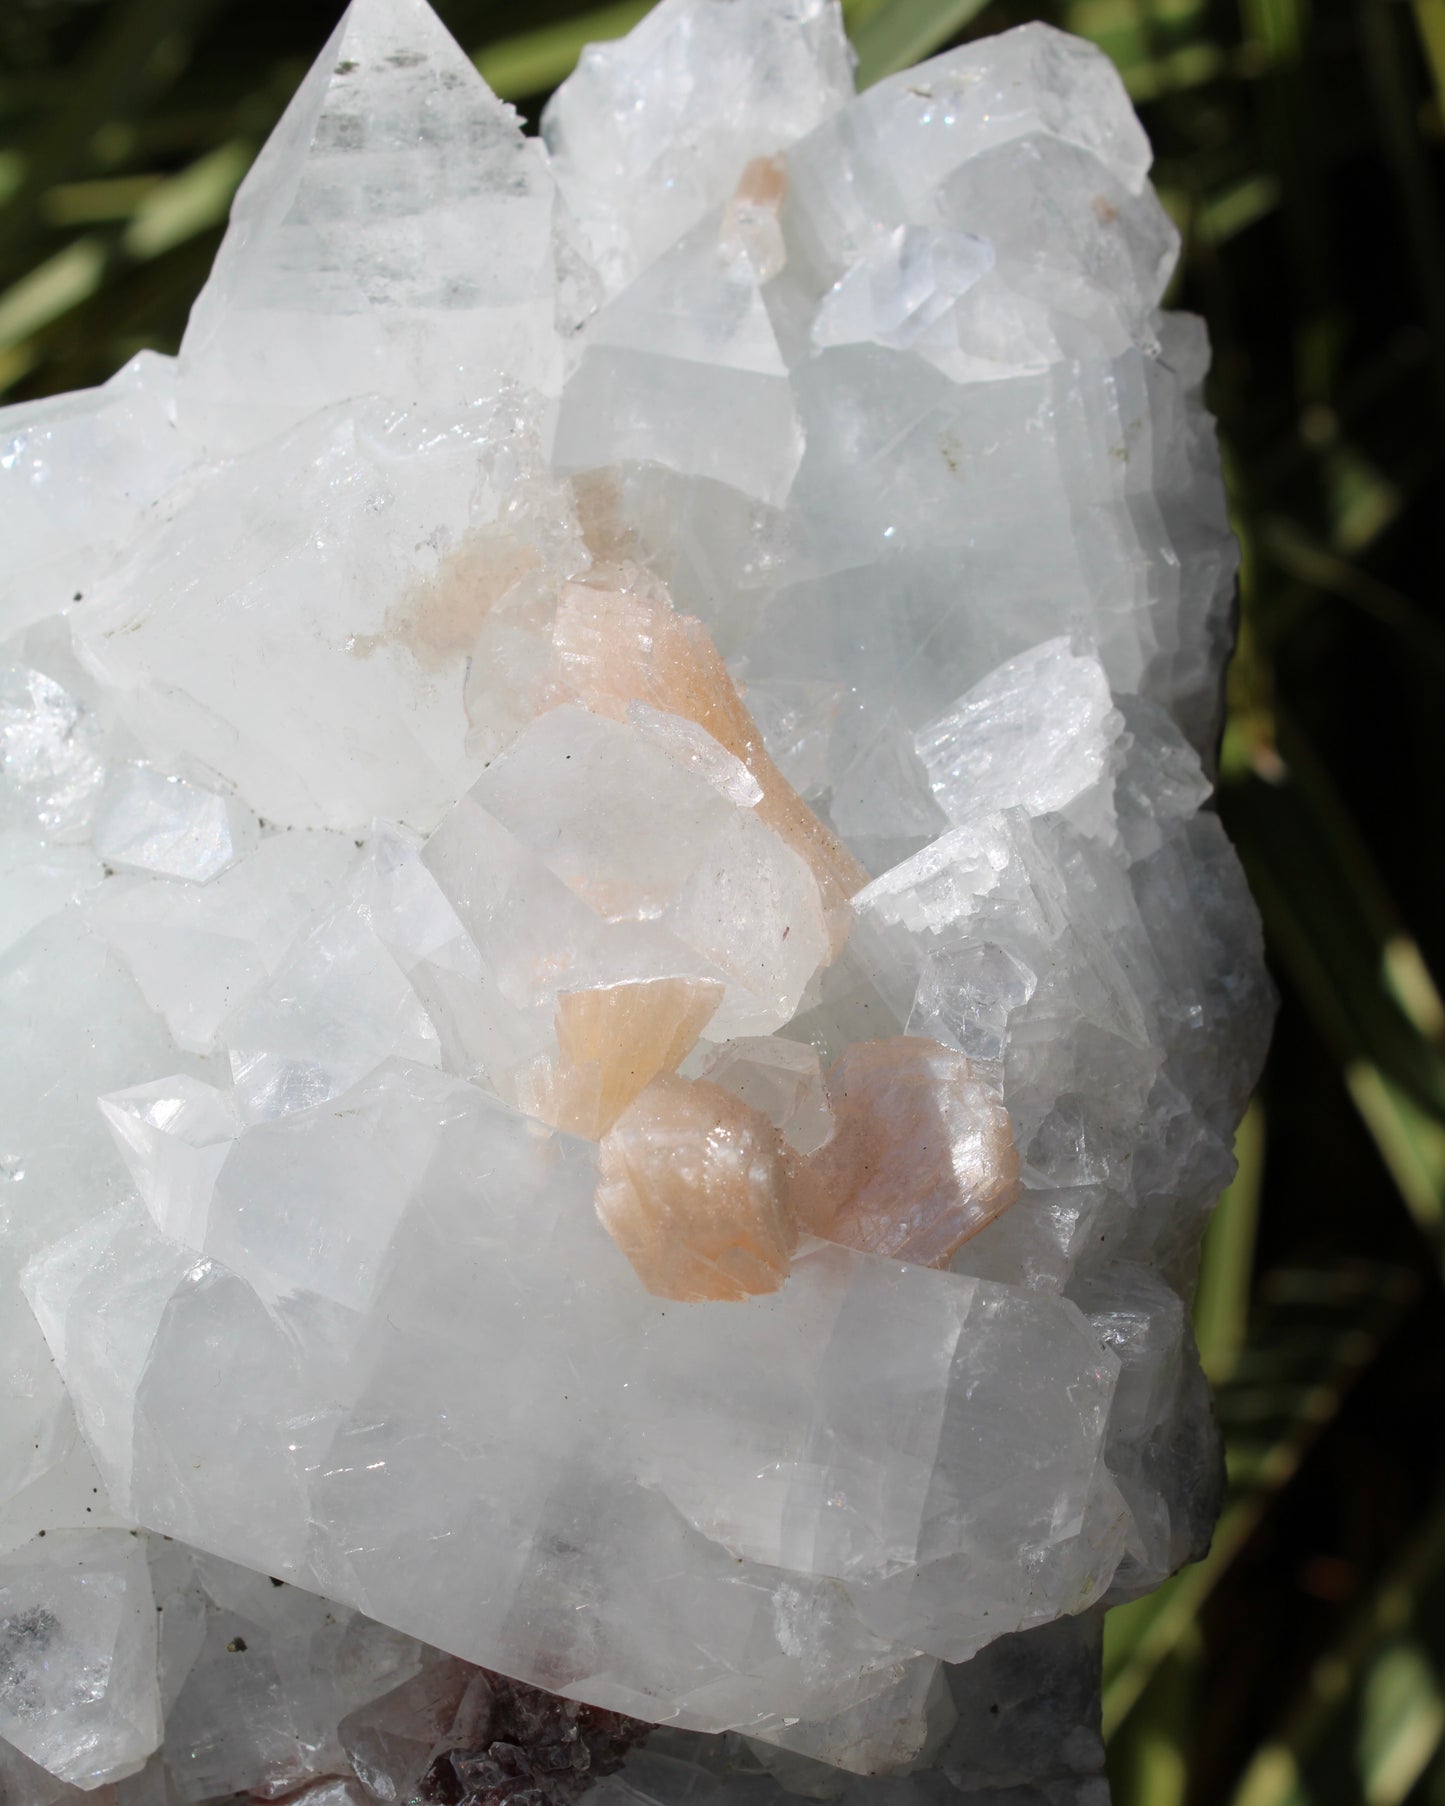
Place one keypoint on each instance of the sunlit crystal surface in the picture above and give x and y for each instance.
(622, 1004)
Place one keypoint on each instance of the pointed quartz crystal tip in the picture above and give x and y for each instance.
(614, 647)
(692, 1186)
(394, 237)
(921, 1157)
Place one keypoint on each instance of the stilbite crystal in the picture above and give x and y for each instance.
(614, 648)
(611, 1044)
(692, 1186)
(667, 673)
(921, 1156)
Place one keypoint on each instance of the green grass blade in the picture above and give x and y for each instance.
(1430, 21)
(903, 32)
(188, 203)
(140, 50)
(532, 62)
(58, 285)
(1221, 1303)
(1372, 1714)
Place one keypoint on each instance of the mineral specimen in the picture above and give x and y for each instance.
(622, 1004)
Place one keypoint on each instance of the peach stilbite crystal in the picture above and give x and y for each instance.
(612, 1042)
(693, 1187)
(750, 224)
(614, 647)
(921, 1157)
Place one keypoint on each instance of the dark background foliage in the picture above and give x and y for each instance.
(1299, 147)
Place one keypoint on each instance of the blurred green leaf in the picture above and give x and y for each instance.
(1331, 922)
(903, 32)
(1221, 1301)
(532, 62)
(175, 210)
(1430, 18)
(1372, 1713)
(59, 284)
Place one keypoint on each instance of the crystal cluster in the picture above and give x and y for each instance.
(622, 1005)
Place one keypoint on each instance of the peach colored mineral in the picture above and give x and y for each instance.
(611, 1043)
(613, 646)
(705, 1196)
(692, 1186)
(921, 1156)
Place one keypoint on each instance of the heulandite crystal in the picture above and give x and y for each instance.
(659, 682)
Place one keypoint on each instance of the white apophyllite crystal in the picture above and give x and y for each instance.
(633, 841)
(1031, 735)
(77, 476)
(198, 953)
(174, 1134)
(258, 1676)
(50, 755)
(282, 623)
(622, 1008)
(148, 822)
(653, 132)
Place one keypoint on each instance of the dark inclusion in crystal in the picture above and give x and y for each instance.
(515, 1745)
(539, 1750)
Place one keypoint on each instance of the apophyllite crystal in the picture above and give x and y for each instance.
(623, 1006)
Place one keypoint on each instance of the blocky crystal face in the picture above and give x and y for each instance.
(621, 1008)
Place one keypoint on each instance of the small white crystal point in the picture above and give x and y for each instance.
(174, 1134)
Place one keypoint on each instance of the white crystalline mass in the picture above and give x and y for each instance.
(50, 755)
(653, 131)
(76, 478)
(683, 369)
(153, 823)
(283, 623)
(324, 849)
(902, 289)
(651, 868)
(1031, 735)
(199, 952)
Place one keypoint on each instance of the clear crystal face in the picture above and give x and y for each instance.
(622, 1005)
